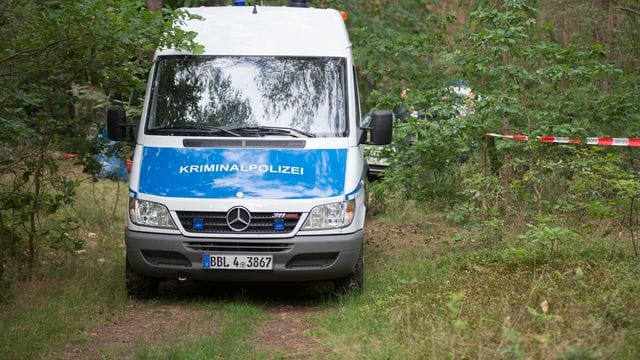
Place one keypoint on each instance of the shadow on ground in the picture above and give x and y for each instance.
(278, 293)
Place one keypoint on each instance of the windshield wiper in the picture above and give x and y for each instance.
(272, 130)
(193, 129)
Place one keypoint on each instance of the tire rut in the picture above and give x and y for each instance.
(287, 333)
(119, 336)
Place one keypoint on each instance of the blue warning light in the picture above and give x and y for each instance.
(278, 224)
(198, 224)
(239, 3)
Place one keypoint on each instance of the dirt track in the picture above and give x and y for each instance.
(138, 325)
(285, 333)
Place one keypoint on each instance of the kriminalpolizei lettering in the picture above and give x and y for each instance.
(272, 169)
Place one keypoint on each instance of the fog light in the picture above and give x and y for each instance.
(198, 224)
(278, 224)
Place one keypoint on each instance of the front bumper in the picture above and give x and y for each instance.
(298, 258)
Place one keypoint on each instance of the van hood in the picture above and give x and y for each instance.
(242, 173)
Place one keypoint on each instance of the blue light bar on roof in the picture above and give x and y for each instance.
(298, 3)
(239, 3)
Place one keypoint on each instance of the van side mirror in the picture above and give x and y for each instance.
(380, 128)
(117, 125)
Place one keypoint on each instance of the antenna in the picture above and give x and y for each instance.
(255, 10)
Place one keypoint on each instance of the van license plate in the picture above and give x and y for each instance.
(237, 262)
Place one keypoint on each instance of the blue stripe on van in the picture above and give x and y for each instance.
(243, 173)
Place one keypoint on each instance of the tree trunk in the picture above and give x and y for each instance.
(4, 239)
(154, 5)
(492, 153)
(506, 171)
(37, 177)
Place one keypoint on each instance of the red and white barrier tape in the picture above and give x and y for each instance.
(558, 139)
(512, 137)
(607, 141)
(598, 141)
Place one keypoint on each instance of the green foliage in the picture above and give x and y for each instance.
(59, 66)
(527, 80)
(534, 83)
(454, 310)
(512, 348)
(549, 237)
(580, 353)
(426, 157)
(395, 45)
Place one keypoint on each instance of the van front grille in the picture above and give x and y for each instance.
(237, 246)
(216, 222)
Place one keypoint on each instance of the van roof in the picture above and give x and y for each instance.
(236, 30)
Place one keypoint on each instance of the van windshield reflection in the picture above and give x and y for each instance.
(248, 96)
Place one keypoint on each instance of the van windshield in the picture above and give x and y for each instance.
(248, 96)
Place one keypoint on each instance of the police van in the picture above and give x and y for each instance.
(248, 162)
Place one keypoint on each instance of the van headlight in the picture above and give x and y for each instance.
(331, 216)
(149, 213)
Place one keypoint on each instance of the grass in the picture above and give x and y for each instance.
(433, 290)
(75, 291)
(71, 291)
(45, 314)
(474, 299)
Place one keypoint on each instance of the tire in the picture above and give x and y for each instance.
(138, 286)
(354, 282)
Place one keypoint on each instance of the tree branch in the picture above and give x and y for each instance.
(629, 10)
(30, 52)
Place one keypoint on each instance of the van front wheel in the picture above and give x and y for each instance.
(138, 286)
(353, 282)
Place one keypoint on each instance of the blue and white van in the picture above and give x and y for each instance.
(248, 163)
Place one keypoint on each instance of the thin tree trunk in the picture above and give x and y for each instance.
(154, 5)
(37, 177)
(4, 239)
(492, 152)
(483, 157)
(632, 226)
(506, 171)
(115, 205)
(566, 37)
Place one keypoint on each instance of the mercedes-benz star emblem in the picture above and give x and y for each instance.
(238, 218)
